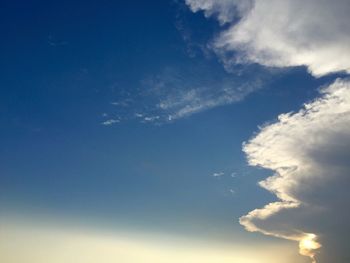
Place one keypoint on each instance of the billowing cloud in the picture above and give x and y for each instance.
(283, 33)
(309, 154)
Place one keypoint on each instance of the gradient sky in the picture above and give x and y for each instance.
(122, 127)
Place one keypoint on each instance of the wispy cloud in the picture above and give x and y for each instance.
(202, 98)
(151, 118)
(54, 42)
(174, 94)
(195, 39)
(225, 10)
(182, 94)
(110, 122)
(218, 174)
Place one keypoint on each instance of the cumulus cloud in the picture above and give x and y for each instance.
(275, 33)
(309, 153)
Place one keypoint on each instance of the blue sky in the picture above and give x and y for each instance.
(131, 116)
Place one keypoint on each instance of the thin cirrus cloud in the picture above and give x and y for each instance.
(188, 101)
(284, 33)
(109, 122)
(307, 150)
(175, 94)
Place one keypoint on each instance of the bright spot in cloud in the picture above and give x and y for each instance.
(308, 245)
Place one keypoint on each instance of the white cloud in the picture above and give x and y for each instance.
(309, 153)
(174, 93)
(284, 33)
(110, 122)
(218, 174)
(225, 10)
(194, 101)
(183, 94)
(151, 118)
(124, 103)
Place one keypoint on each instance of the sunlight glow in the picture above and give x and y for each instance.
(23, 243)
(308, 245)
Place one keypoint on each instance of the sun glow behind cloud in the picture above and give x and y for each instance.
(308, 245)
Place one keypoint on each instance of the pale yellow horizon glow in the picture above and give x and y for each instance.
(32, 244)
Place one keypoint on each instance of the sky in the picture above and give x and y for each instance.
(174, 131)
